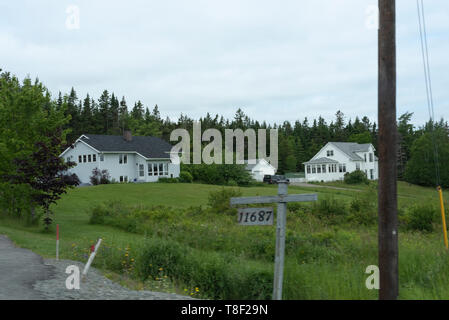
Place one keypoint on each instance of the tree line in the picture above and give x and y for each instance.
(35, 128)
(299, 140)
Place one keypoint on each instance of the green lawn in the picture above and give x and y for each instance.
(330, 260)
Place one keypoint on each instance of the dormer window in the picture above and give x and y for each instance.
(330, 153)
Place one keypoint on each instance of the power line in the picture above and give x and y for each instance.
(428, 82)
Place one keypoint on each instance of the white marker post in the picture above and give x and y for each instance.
(281, 221)
(91, 258)
(57, 242)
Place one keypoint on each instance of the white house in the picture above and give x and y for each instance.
(127, 158)
(258, 168)
(336, 158)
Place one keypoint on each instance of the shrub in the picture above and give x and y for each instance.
(420, 217)
(219, 200)
(217, 275)
(363, 208)
(168, 180)
(356, 177)
(329, 207)
(185, 177)
(99, 177)
(219, 174)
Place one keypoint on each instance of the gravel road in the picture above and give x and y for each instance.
(24, 275)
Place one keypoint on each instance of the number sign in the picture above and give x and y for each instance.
(255, 216)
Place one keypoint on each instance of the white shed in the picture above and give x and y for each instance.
(258, 168)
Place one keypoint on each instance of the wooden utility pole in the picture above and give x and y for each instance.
(387, 148)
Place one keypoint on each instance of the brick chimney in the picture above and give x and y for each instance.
(127, 135)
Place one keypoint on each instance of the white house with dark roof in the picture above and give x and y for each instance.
(336, 158)
(127, 158)
(258, 168)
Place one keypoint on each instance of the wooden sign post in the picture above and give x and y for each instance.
(261, 216)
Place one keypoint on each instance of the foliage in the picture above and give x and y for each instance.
(44, 173)
(355, 177)
(363, 208)
(219, 200)
(100, 177)
(420, 217)
(185, 177)
(420, 169)
(168, 180)
(219, 174)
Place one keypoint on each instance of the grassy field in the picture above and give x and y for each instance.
(326, 258)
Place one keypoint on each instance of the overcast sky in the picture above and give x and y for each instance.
(277, 60)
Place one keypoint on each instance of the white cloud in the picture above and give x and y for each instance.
(277, 62)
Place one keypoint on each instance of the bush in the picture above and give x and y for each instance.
(329, 207)
(100, 177)
(420, 217)
(219, 200)
(217, 275)
(363, 210)
(356, 177)
(219, 174)
(185, 177)
(168, 180)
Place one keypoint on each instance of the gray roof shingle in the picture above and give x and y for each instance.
(350, 148)
(321, 160)
(149, 147)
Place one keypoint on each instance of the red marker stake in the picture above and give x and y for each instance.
(57, 242)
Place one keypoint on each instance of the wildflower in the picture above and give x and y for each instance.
(196, 289)
(160, 269)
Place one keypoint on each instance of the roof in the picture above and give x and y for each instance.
(350, 148)
(250, 166)
(149, 147)
(321, 160)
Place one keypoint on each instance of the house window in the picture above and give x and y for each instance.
(101, 157)
(371, 172)
(161, 169)
(308, 168)
(155, 171)
(313, 169)
(365, 157)
(123, 159)
(84, 158)
(370, 157)
(89, 158)
(342, 167)
(141, 170)
(165, 169)
(123, 178)
(150, 169)
(94, 158)
(126, 178)
(330, 153)
(324, 168)
(80, 159)
(318, 169)
(357, 166)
